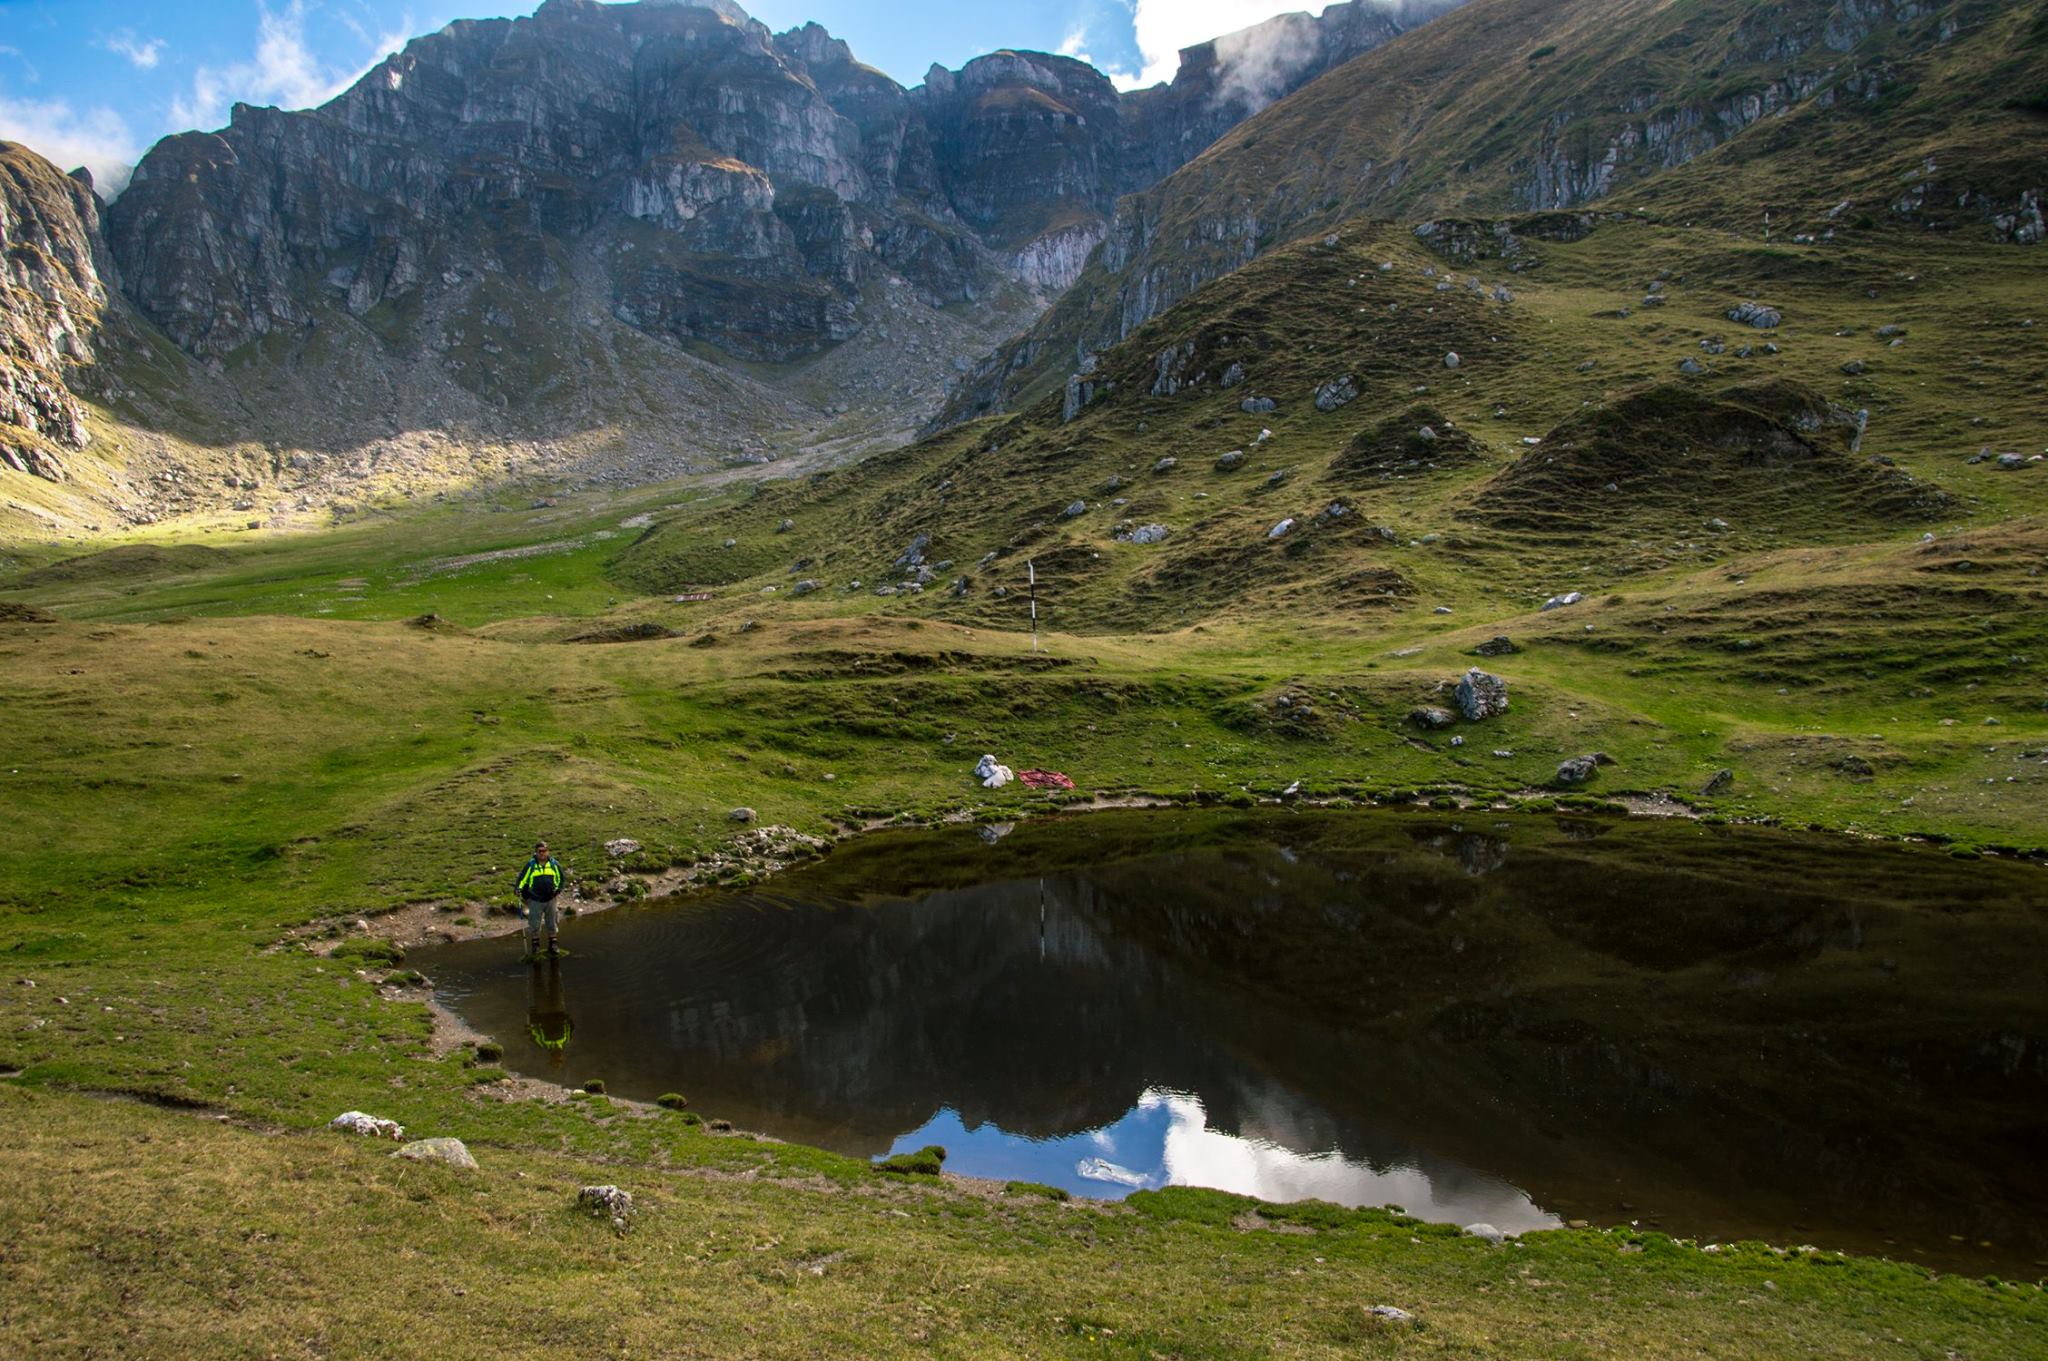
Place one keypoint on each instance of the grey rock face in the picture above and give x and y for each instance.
(1145, 534)
(1257, 406)
(1336, 393)
(1577, 770)
(1230, 460)
(1080, 391)
(1499, 645)
(913, 556)
(1755, 314)
(53, 291)
(1431, 717)
(1481, 695)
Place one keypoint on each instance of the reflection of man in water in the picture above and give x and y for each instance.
(547, 1012)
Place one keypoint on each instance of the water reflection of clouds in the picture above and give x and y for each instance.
(1165, 1140)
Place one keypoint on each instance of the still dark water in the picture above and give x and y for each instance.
(1522, 1021)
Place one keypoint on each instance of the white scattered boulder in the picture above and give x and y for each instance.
(1486, 1231)
(620, 847)
(1281, 530)
(607, 1202)
(1451, 360)
(1558, 602)
(450, 1151)
(356, 1122)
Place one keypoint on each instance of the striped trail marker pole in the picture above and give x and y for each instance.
(1031, 573)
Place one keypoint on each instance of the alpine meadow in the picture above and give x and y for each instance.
(664, 697)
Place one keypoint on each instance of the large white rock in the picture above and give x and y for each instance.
(450, 1151)
(356, 1122)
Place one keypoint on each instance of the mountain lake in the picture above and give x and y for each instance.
(1515, 1020)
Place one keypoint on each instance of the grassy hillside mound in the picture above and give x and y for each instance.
(127, 562)
(1416, 443)
(1674, 459)
(1582, 436)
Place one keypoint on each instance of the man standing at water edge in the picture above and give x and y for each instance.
(539, 882)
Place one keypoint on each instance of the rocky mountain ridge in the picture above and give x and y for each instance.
(53, 276)
(1902, 110)
(779, 172)
(565, 228)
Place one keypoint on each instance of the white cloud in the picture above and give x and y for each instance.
(97, 138)
(380, 45)
(143, 53)
(284, 71)
(1163, 27)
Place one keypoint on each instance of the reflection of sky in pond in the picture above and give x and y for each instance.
(1165, 1140)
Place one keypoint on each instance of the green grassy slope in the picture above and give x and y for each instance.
(1796, 566)
(197, 1240)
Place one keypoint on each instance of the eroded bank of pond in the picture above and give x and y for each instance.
(1524, 1021)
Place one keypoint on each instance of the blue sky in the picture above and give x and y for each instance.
(95, 82)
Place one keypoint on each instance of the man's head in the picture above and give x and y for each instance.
(540, 851)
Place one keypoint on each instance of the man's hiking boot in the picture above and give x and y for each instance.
(551, 946)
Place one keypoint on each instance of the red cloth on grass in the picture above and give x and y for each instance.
(1045, 779)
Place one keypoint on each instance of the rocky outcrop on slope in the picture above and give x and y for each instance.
(55, 279)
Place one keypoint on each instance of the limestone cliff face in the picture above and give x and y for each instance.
(1035, 150)
(732, 186)
(53, 289)
(494, 145)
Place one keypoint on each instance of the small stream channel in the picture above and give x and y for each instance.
(1524, 1021)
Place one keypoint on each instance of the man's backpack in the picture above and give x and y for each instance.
(544, 882)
